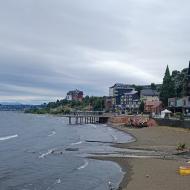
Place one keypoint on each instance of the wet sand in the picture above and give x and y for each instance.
(154, 173)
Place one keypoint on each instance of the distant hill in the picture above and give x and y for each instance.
(16, 107)
(10, 103)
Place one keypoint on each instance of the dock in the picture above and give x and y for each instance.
(87, 117)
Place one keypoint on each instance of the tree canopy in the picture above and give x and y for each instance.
(168, 87)
(64, 106)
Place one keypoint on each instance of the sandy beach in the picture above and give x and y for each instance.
(155, 173)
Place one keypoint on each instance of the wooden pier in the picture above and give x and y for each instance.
(87, 117)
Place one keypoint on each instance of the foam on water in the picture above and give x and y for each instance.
(47, 153)
(8, 137)
(77, 143)
(58, 181)
(52, 134)
(114, 138)
(92, 125)
(83, 166)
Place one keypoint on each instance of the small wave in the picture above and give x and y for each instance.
(83, 166)
(58, 181)
(92, 125)
(8, 137)
(114, 138)
(52, 134)
(47, 153)
(77, 143)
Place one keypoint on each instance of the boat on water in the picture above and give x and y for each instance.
(184, 170)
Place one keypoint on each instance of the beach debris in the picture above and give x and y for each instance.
(184, 170)
(181, 146)
(111, 186)
(147, 176)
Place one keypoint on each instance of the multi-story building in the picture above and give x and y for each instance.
(117, 91)
(130, 101)
(149, 95)
(76, 95)
(180, 104)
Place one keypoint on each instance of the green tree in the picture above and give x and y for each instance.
(184, 82)
(153, 86)
(168, 87)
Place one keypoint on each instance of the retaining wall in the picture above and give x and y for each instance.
(173, 123)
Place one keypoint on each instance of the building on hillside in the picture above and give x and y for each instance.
(117, 91)
(149, 95)
(130, 101)
(153, 107)
(76, 95)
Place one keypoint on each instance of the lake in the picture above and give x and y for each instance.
(43, 152)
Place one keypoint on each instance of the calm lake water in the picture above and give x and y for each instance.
(42, 152)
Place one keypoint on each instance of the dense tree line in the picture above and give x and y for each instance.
(66, 106)
(174, 85)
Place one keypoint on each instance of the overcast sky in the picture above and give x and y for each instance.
(48, 47)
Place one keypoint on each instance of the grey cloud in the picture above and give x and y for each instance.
(49, 47)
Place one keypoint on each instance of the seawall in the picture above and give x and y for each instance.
(173, 122)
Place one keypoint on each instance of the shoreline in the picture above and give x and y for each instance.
(151, 173)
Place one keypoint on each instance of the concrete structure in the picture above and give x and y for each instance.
(149, 95)
(173, 123)
(76, 95)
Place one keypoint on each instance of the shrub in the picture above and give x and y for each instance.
(181, 146)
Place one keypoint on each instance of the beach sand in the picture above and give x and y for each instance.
(154, 173)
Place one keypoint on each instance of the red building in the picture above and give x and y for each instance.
(75, 95)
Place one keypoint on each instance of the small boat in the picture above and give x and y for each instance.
(184, 170)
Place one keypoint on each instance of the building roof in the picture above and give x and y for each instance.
(149, 92)
(75, 92)
(120, 85)
(131, 93)
(154, 104)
